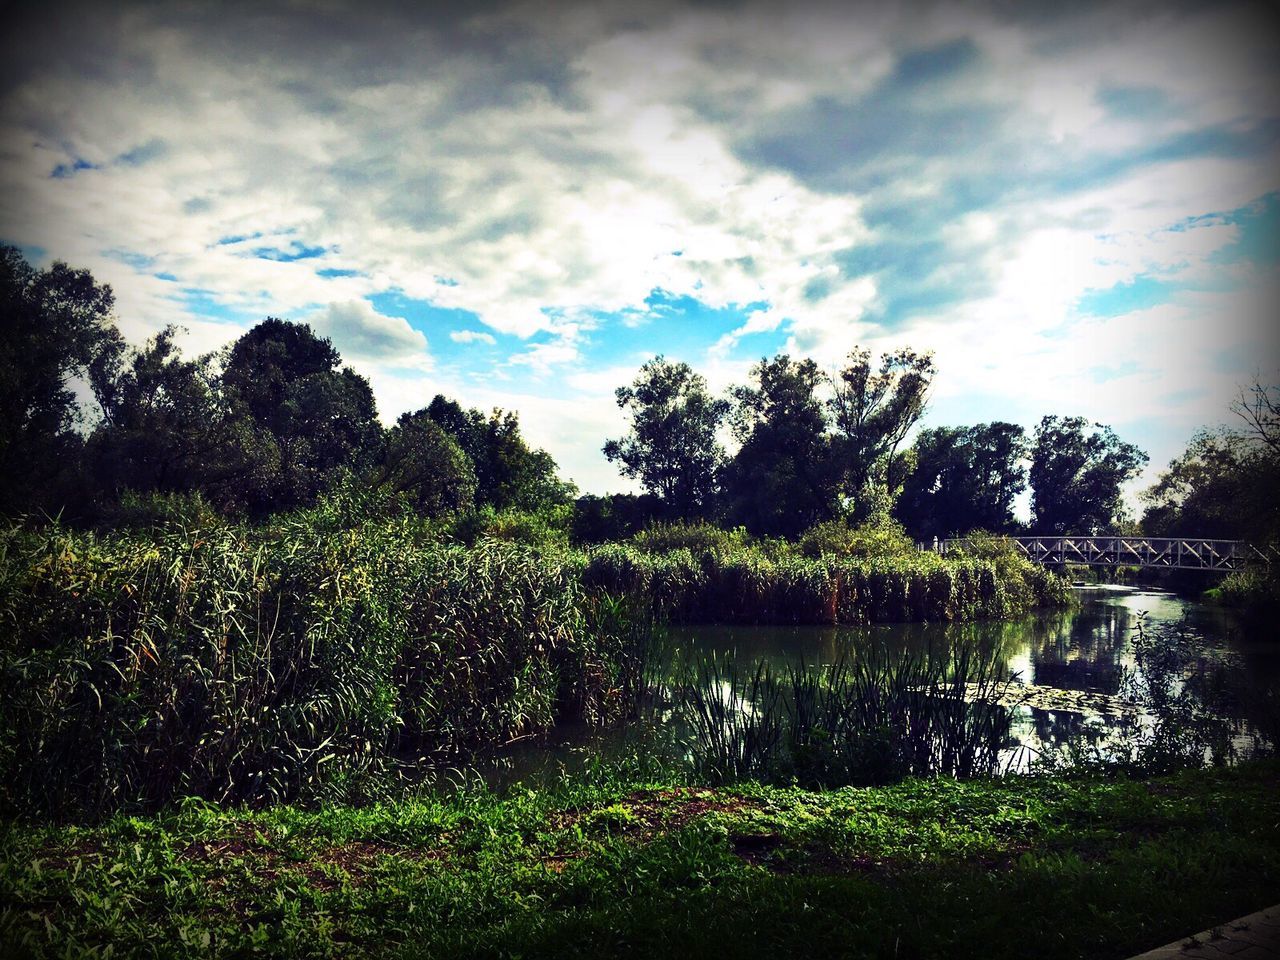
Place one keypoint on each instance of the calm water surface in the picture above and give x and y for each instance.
(1087, 649)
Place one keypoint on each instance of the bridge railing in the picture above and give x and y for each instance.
(1170, 552)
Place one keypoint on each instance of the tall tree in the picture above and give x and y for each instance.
(163, 426)
(872, 411)
(55, 326)
(509, 473)
(779, 481)
(424, 463)
(1076, 475)
(964, 478)
(320, 419)
(671, 447)
(1224, 483)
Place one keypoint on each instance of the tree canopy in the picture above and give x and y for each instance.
(779, 481)
(58, 326)
(872, 412)
(671, 447)
(1077, 471)
(964, 478)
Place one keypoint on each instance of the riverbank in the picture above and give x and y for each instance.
(1082, 865)
(322, 659)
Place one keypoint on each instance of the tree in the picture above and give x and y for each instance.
(509, 473)
(1076, 475)
(779, 481)
(312, 418)
(965, 478)
(1223, 485)
(55, 326)
(163, 428)
(872, 412)
(423, 463)
(671, 447)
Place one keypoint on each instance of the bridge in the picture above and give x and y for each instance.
(1172, 553)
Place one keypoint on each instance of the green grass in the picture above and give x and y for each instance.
(1047, 867)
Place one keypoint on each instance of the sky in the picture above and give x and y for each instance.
(1076, 207)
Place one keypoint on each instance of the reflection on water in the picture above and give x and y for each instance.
(1088, 649)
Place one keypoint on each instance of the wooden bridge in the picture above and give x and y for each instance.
(1173, 553)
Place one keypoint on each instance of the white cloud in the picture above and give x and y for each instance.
(540, 169)
(360, 332)
(472, 336)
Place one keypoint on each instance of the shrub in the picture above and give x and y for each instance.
(698, 538)
(881, 537)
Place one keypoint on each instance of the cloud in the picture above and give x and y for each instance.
(360, 332)
(472, 336)
(1003, 186)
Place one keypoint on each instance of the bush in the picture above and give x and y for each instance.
(545, 528)
(882, 537)
(698, 538)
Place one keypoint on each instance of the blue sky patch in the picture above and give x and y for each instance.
(64, 170)
(1140, 293)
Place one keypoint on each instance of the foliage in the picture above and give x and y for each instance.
(309, 417)
(751, 586)
(872, 411)
(879, 537)
(57, 324)
(287, 663)
(509, 473)
(1255, 590)
(698, 538)
(611, 866)
(1076, 475)
(778, 482)
(614, 517)
(544, 528)
(425, 465)
(671, 447)
(964, 477)
(1223, 484)
(164, 429)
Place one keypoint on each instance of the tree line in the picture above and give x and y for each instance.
(814, 446)
(275, 420)
(264, 426)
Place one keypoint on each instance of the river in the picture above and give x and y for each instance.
(1077, 679)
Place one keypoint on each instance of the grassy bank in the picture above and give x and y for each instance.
(1047, 867)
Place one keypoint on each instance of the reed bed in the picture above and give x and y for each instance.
(869, 718)
(750, 587)
(298, 663)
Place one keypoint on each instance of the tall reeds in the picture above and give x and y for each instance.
(296, 663)
(867, 718)
(748, 586)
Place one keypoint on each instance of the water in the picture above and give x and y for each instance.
(1076, 668)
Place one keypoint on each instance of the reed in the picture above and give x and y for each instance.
(870, 718)
(299, 662)
(748, 586)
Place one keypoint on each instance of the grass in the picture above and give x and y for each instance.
(1076, 866)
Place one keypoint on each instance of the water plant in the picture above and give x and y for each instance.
(870, 717)
(291, 662)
